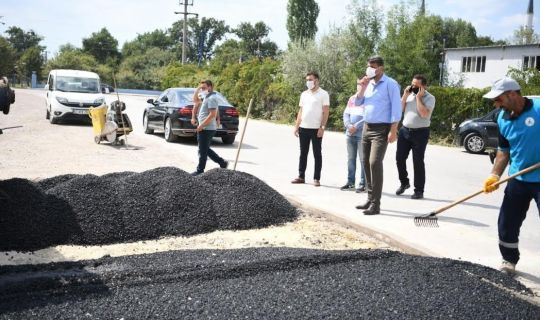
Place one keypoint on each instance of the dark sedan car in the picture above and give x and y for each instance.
(171, 113)
(479, 134)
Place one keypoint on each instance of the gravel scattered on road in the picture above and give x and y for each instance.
(263, 283)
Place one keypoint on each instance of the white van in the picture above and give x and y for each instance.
(70, 93)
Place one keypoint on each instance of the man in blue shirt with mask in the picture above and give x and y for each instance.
(519, 145)
(382, 113)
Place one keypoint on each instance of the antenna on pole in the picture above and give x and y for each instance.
(185, 3)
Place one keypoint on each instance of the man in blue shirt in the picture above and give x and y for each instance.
(519, 145)
(207, 126)
(382, 113)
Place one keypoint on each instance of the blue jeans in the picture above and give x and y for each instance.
(204, 139)
(354, 148)
(517, 198)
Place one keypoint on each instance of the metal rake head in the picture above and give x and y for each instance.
(428, 220)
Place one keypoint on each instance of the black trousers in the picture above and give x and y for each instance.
(204, 139)
(517, 198)
(308, 136)
(415, 140)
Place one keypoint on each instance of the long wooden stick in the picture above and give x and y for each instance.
(531, 168)
(242, 135)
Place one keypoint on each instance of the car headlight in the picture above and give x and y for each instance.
(464, 123)
(62, 100)
(99, 101)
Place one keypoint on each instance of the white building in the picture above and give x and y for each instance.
(478, 67)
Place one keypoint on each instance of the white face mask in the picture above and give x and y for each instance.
(310, 84)
(203, 94)
(371, 72)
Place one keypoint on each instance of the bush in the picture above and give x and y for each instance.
(453, 106)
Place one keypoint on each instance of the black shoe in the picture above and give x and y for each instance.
(225, 165)
(372, 210)
(347, 187)
(402, 188)
(361, 188)
(195, 173)
(417, 195)
(364, 206)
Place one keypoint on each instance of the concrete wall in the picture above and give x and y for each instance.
(498, 61)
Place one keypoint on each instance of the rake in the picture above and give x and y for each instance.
(430, 219)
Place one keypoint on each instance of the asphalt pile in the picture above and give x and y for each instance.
(127, 206)
(262, 283)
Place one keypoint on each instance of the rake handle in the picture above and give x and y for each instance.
(531, 168)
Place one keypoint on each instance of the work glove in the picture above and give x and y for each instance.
(489, 183)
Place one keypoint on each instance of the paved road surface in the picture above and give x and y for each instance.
(270, 152)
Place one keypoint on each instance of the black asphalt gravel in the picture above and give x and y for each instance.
(127, 206)
(263, 283)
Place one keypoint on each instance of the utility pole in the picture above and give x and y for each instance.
(185, 3)
(441, 64)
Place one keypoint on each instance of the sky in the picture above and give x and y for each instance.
(69, 21)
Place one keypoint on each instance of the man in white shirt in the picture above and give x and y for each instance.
(310, 125)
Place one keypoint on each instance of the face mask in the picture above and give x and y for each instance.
(310, 84)
(203, 94)
(371, 72)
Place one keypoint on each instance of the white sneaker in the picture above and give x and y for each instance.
(508, 267)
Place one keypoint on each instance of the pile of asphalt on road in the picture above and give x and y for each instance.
(263, 283)
(128, 206)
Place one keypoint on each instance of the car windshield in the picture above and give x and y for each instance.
(77, 84)
(186, 97)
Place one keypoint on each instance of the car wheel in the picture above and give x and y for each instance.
(52, 119)
(474, 143)
(48, 115)
(228, 139)
(145, 124)
(169, 136)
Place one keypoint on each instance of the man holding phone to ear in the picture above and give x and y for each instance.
(417, 105)
(380, 96)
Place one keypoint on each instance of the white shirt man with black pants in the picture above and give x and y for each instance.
(310, 125)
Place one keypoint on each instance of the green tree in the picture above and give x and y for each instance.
(156, 39)
(524, 35)
(253, 42)
(22, 40)
(144, 71)
(31, 60)
(102, 46)
(70, 57)
(302, 20)
(183, 75)
(7, 62)
(364, 29)
(330, 58)
(202, 37)
(229, 52)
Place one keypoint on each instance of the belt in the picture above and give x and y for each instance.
(378, 125)
(415, 129)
